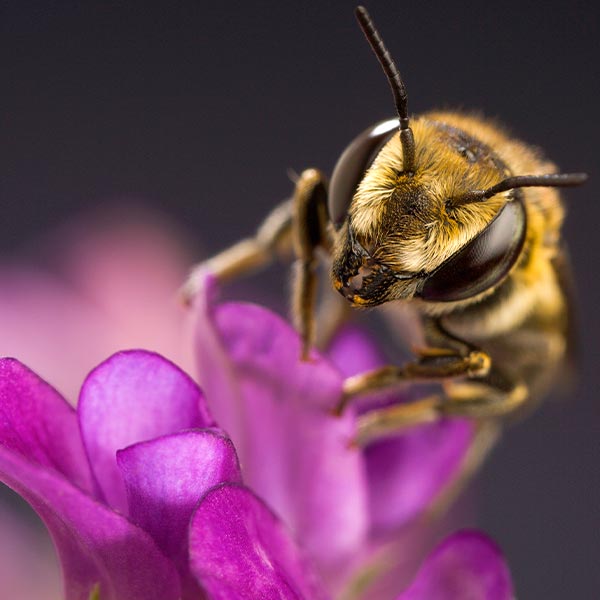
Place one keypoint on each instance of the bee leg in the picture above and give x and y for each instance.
(434, 364)
(272, 238)
(482, 400)
(309, 230)
(395, 419)
(491, 397)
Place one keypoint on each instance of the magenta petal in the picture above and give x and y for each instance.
(38, 423)
(131, 397)
(239, 549)
(95, 544)
(294, 453)
(353, 351)
(166, 477)
(467, 565)
(407, 472)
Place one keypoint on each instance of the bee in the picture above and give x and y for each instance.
(447, 215)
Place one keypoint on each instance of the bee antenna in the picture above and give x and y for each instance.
(520, 181)
(395, 80)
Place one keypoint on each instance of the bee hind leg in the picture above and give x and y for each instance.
(480, 401)
(487, 399)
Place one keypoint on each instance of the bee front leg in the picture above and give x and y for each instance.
(309, 229)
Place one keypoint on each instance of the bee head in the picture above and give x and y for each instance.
(402, 235)
(424, 210)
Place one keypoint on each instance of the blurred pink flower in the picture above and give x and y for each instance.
(111, 284)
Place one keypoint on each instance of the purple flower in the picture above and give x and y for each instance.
(143, 496)
(123, 484)
(353, 510)
(465, 566)
(43, 457)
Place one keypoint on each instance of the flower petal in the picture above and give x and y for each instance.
(405, 473)
(294, 453)
(166, 477)
(131, 397)
(39, 424)
(239, 549)
(95, 544)
(353, 351)
(467, 565)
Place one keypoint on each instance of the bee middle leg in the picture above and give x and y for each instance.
(472, 386)
(483, 400)
(248, 255)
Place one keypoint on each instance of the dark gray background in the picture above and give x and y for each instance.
(201, 108)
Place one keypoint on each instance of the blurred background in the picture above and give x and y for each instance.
(200, 110)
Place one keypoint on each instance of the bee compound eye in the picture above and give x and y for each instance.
(483, 262)
(352, 165)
